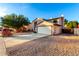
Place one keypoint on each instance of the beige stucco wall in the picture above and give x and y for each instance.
(60, 21)
(29, 27)
(57, 29)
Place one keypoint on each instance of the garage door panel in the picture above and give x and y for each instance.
(45, 30)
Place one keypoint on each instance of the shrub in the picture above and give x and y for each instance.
(6, 33)
(68, 31)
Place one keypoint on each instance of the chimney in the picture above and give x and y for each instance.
(62, 19)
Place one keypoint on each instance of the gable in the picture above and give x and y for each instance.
(45, 23)
(38, 19)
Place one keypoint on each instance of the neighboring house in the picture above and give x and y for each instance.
(50, 26)
(78, 26)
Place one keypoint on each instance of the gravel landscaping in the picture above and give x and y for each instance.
(46, 46)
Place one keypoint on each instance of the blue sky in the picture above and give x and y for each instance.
(42, 10)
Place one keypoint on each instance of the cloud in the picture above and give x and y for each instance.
(3, 11)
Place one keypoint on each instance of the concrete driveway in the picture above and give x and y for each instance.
(30, 36)
(22, 38)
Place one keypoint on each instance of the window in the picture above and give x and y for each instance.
(54, 21)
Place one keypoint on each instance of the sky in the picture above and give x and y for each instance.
(41, 10)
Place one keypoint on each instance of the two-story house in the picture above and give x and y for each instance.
(50, 26)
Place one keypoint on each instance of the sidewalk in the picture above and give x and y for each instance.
(2, 47)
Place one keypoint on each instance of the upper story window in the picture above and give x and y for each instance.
(55, 21)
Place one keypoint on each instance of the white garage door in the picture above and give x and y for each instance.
(45, 30)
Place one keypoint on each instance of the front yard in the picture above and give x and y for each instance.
(47, 46)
